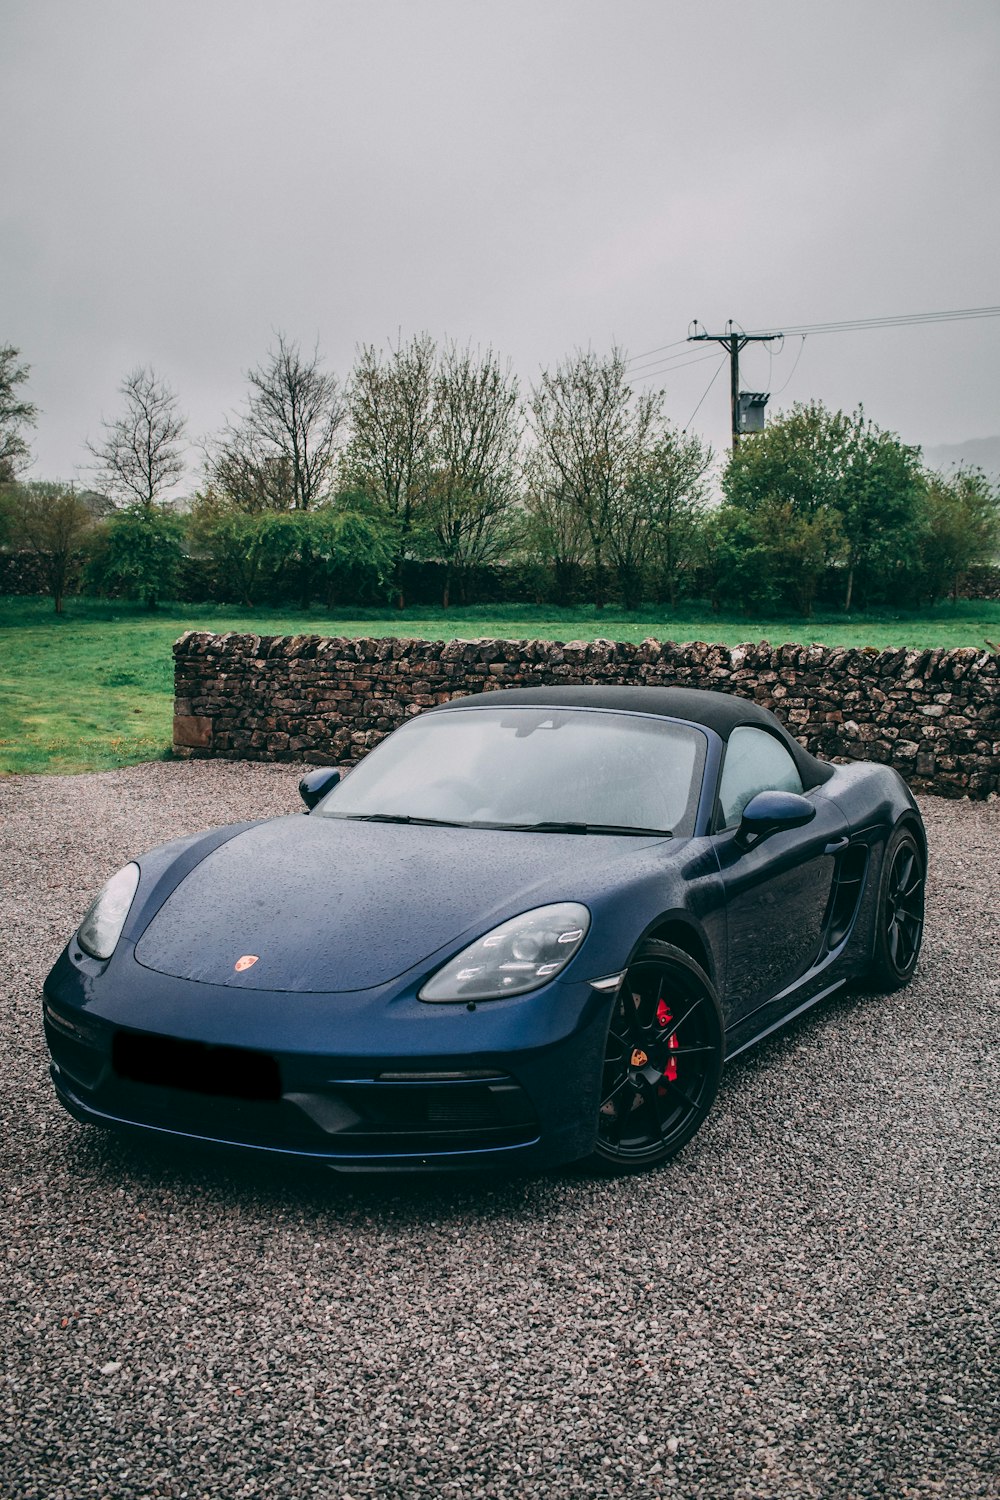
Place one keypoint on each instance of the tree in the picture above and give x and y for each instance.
(137, 554)
(15, 415)
(282, 453)
(866, 481)
(141, 456)
(656, 522)
(772, 556)
(234, 541)
(881, 504)
(800, 459)
(390, 455)
(741, 559)
(961, 528)
(246, 480)
(554, 531)
(342, 545)
(319, 551)
(53, 522)
(476, 437)
(590, 431)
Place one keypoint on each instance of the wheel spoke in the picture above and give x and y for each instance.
(893, 936)
(675, 1088)
(649, 1094)
(633, 1025)
(668, 1044)
(902, 873)
(909, 908)
(626, 1110)
(665, 1035)
(621, 1084)
(909, 928)
(645, 1016)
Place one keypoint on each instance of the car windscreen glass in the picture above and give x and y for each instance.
(531, 765)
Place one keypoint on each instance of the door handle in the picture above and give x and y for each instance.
(835, 845)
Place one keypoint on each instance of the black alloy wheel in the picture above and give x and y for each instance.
(662, 1062)
(900, 919)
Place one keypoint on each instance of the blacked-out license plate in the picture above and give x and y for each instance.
(230, 1072)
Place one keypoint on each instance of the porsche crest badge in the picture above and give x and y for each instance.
(639, 1058)
(246, 962)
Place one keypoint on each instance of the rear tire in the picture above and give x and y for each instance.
(899, 920)
(662, 1062)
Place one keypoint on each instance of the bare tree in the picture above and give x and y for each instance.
(282, 453)
(477, 425)
(390, 454)
(15, 414)
(590, 428)
(141, 456)
(52, 521)
(245, 479)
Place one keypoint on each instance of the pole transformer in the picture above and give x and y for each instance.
(733, 340)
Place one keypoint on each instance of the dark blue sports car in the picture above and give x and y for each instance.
(528, 929)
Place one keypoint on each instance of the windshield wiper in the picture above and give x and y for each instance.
(555, 827)
(396, 818)
(544, 827)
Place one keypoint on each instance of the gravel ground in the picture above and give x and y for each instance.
(802, 1304)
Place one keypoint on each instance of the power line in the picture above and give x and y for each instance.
(705, 392)
(669, 369)
(658, 350)
(795, 365)
(736, 338)
(899, 320)
(843, 325)
(664, 361)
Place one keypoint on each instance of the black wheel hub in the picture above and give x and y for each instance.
(904, 908)
(662, 1048)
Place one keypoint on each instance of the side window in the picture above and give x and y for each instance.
(755, 762)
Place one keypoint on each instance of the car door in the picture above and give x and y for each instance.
(777, 893)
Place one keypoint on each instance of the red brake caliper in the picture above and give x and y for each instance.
(664, 1018)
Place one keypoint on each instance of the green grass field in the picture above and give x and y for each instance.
(93, 688)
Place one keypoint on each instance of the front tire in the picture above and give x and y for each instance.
(662, 1063)
(899, 920)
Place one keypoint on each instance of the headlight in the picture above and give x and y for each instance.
(517, 956)
(102, 926)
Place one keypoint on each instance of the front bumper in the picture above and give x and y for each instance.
(513, 1084)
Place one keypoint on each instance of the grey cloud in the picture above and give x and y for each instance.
(180, 181)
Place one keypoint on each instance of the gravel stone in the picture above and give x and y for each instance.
(803, 1304)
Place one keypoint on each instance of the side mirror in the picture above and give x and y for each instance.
(315, 785)
(772, 812)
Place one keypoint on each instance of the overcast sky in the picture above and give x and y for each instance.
(182, 179)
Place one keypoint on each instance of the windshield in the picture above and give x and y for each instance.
(528, 766)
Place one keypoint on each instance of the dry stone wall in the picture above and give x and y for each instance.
(934, 715)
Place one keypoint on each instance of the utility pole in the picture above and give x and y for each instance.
(732, 341)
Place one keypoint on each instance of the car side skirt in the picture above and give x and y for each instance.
(738, 1041)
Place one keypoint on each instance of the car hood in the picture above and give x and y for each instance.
(331, 904)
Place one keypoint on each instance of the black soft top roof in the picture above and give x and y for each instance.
(722, 712)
